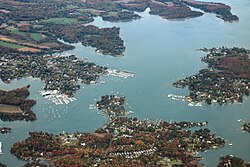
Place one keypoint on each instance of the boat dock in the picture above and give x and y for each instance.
(122, 74)
(56, 97)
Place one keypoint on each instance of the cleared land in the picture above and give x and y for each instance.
(7, 39)
(20, 47)
(23, 46)
(16, 31)
(25, 49)
(36, 36)
(10, 109)
(92, 11)
(9, 45)
(33, 36)
(63, 20)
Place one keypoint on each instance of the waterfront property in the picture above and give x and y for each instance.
(232, 161)
(124, 141)
(10, 109)
(15, 106)
(225, 80)
(61, 73)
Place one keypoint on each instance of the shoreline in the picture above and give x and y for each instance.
(17, 97)
(226, 79)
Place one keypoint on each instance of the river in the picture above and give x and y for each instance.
(159, 52)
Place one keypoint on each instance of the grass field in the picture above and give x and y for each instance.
(112, 14)
(36, 36)
(16, 31)
(92, 11)
(10, 45)
(83, 10)
(72, 7)
(63, 20)
(33, 36)
(37, 26)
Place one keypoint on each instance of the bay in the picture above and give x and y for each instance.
(159, 52)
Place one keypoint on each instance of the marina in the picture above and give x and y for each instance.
(119, 73)
(56, 97)
(185, 99)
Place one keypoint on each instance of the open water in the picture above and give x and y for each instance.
(159, 52)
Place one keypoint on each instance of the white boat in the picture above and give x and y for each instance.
(1, 148)
(239, 120)
(198, 104)
(190, 104)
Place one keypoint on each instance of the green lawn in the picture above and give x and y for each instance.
(92, 11)
(63, 20)
(37, 26)
(10, 45)
(33, 36)
(83, 10)
(16, 31)
(72, 7)
(36, 36)
(112, 14)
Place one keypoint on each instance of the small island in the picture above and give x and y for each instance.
(225, 80)
(232, 161)
(124, 141)
(15, 106)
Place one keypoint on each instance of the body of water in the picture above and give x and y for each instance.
(159, 52)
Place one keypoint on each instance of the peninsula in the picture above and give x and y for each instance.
(225, 80)
(232, 161)
(112, 105)
(15, 106)
(124, 141)
(61, 73)
(36, 29)
(223, 11)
